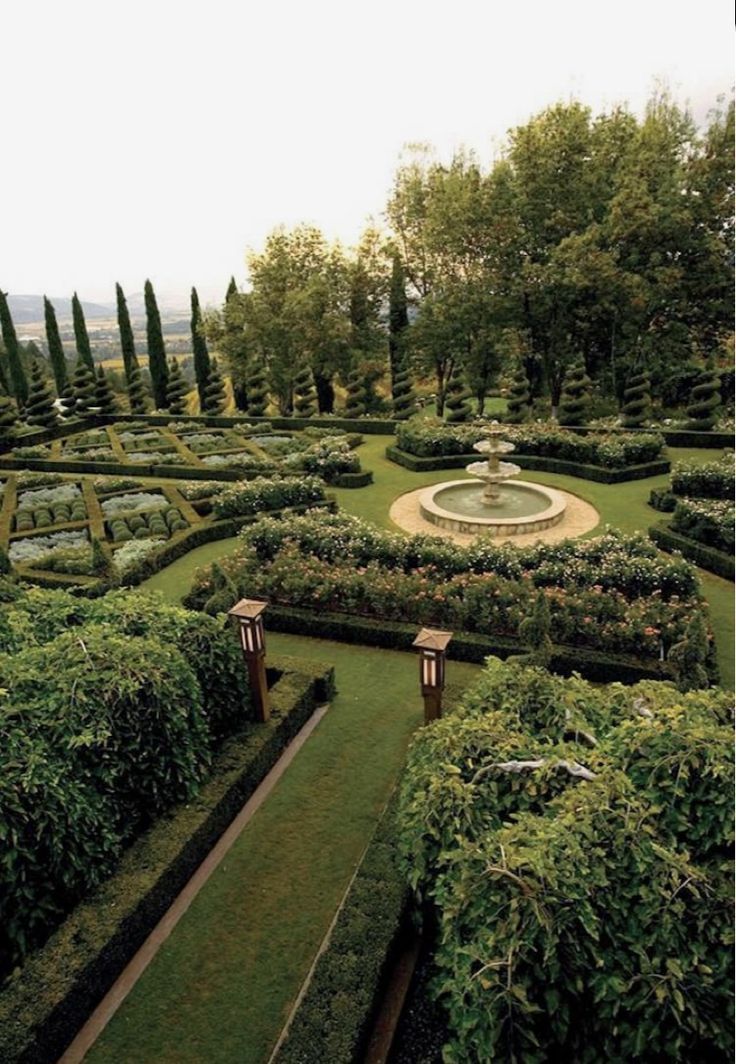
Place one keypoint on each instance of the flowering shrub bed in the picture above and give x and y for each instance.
(708, 521)
(267, 494)
(327, 458)
(201, 489)
(139, 500)
(712, 480)
(156, 457)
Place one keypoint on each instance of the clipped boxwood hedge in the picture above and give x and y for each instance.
(352, 480)
(42, 1009)
(715, 561)
(369, 426)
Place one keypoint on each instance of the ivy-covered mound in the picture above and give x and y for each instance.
(575, 843)
(614, 594)
(616, 451)
(111, 711)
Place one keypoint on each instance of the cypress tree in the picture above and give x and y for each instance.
(83, 383)
(8, 419)
(355, 401)
(705, 399)
(156, 348)
(575, 396)
(176, 390)
(15, 382)
(398, 319)
(104, 395)
(636, 401)
(304, 394)
(257, 385)
(235, 349)
(518, 406)
(137, 392)
(404, 399)
(199, 347)
(456, 398)
(56, 348)
(81, 336)
(127, 340)
(40, 408)
(214, 394)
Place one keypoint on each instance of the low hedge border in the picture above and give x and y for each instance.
(714, 441)
(715, 561)
(352, 480)
(42, 1009)
(534, 462)
(369, 426)
(465, 646)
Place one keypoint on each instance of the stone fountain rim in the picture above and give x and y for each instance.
(432, 511)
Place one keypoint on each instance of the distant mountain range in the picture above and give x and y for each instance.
(29, 308)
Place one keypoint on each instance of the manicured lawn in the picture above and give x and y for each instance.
(221, 987)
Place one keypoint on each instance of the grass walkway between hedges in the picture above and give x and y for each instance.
(222, 985)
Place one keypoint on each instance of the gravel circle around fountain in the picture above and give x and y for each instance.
(580, 517)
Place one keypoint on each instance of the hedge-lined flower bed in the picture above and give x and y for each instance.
(238, 500)
(707, 521)
(712, 480)
(160, 522)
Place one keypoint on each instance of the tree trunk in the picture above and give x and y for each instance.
(325, 393)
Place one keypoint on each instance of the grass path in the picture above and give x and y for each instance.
(221, 987)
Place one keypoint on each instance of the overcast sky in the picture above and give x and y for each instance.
(162, 139)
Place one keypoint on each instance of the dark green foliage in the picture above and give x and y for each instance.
(104, 395)
(356, 394)
(402, 392)
(81, 336)
(214, 393)
(5, 566)
(236, 346)
(83, 385)
(534, 632)
(690, 655)
(305, 403)
(202, 366)
(705, 401)
(69, 401)
(156, 348)
(519, 401)
(398, 321)
(176, 389)
(127, 341)
(257, 389)
(100, 559)
(14, 381)
(8, 418)
(456, 397)
(637, 401)
(715, 561)
(56, 348)
(575, 399)
(137, 392)
(711, 480)
(40, 408)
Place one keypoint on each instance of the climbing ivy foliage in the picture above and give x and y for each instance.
(574, 842)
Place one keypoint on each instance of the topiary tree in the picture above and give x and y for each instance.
(575, 398)
(201, 355)
(705, 400)
(456, 398)
(137, 392)
(127, 340)
(257, 389)
(56, 348)
(176, 389)
(534, 632)
(637, 401)
(519, 401)
(156, 347)
(68, 401)
(402, 392)
(305, 399)
(81, 336)
(690, 655)
(15, 380)
(83, 385)
(8, 419)
(214, 393)
(39, 409)
(355, 401)
(104, 395)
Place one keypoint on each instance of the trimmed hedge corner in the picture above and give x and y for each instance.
(44, 1006)
(715, 561)
(352, 480)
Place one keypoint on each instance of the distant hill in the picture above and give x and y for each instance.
(30, 308)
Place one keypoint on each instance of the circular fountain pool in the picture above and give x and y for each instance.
(458, 506)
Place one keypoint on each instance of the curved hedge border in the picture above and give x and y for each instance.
(534, 462)
(59, 986)
(715, 561)
(370, 426)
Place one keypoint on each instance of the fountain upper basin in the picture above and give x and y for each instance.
(457, 505)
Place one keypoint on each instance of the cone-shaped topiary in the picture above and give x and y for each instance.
(637, 401)
(8, 419)
(56, 348)
(104, 395)
(39, 409)
(68, 402)
(214, 393)
(176, 389)
(355, 401)
(705, 399)
(534, 632)
(201, 355)
(456, 398)
(519, 401)
(305, 402)
(256, 385)
(83, 384)
(137, 392)
(403, 396)
(575, 398)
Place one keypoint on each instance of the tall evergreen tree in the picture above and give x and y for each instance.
(81, 336)
(104, 395)
(83, 384)
(137, 392)
(176, 390)
(56, 348)
(156, 348)
(202, 364)
(235, 346)
(127, 341)
(398, 317)
(15, 381)
(214, 397)
(40, 408)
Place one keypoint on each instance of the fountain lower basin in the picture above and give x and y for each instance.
(457, 506)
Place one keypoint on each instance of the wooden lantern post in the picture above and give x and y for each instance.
(432, 646)
(248, 617)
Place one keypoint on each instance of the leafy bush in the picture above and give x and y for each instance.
(201, 489)
(707, 521)
(712, 480)
(262, 494)
(107, 485)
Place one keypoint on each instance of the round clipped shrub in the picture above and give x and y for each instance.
(136, 522)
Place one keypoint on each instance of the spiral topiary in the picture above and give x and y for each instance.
(137, 392)
(705, 400)
(8, 418)
(257, 389)
(355, 401)
(305, 402)
(456, 398)
(214, 392)
(83, 385)
(68, 402)
(39, 408)
(575, 398)
(403, 395)
(637, 401)
(104, 395)
(176, 389)
(519, 401)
